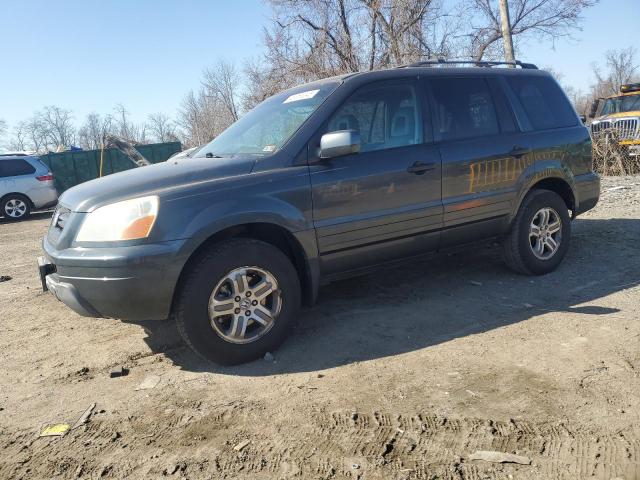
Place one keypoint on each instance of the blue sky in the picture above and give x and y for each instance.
(146, 54)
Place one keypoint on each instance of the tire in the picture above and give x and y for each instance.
(217, 338)
(521, 250)
(15, 207)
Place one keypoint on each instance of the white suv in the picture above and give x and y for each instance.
(25, 184)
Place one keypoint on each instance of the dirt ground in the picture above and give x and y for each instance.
(397, 375)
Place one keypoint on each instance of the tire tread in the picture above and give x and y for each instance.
(219, 250)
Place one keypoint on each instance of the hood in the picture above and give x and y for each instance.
(635, 113)
(153, 179)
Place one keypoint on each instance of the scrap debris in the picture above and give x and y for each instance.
(4, 278)
(239, 447)
(119, 372)
(619, 187)
(499, 457)
(57, 430)
(84, 418)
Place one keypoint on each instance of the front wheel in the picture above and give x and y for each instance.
(238, 301)
(539, 236)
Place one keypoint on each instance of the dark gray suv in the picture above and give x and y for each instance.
(320, 182)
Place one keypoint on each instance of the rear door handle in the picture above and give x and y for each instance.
(420, 167)
(518, 151)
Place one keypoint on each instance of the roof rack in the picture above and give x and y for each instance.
(480, 63)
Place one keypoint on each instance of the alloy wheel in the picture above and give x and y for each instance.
(15, 208)
(545, 233)
(245, 304)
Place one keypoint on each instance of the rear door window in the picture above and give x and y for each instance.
(544, 103)
(464, 108)
(14, 168)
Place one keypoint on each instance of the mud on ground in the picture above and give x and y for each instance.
(397, 375)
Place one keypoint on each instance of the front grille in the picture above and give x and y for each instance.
(627, 128)
(623, 129)
(600, 126)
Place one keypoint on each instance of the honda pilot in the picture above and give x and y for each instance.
(324, 181)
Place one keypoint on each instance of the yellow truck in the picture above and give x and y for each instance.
(618, 120)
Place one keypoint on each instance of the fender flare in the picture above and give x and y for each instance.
(545, 171)
(267, 211)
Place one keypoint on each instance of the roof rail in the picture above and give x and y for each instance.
(477, 63)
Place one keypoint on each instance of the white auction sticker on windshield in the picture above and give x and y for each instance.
(301, 96)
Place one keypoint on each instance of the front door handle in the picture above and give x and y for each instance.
(518, 151)
(420, 167)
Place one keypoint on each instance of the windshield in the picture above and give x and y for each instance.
(628, 103)
(268, 126)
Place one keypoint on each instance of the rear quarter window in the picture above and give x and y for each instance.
(544, 103)
(14, 168)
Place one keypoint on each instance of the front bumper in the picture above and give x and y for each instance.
(68, 294)
(129, 283)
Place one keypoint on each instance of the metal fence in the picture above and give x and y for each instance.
(610, 155)
(74, 167)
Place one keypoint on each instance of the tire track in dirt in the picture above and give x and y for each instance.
(326, 445)
(424, 445)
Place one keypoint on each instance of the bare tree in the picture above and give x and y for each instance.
(126, 129)
(310, 39)
(162, 128)
(201, 118)
(222, 82)
(18, 139)
(53, 129)
(35, 135)
(93, 131)
(403, 31)
(262, 81)
(542, 19)
(622, 68)
(56, 127)
(189, 121)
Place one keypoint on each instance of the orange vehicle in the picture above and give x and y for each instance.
(619, 118)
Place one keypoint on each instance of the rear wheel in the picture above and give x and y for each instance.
(239, 301)
(539, 236)
(15, 207)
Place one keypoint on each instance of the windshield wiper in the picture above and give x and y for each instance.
(211, 155)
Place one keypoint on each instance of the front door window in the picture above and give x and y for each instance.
(385, 116)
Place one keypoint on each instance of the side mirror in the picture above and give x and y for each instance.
(337, 144)
(583, 119)
(594, 108)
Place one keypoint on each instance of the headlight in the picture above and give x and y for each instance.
(127, 220)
